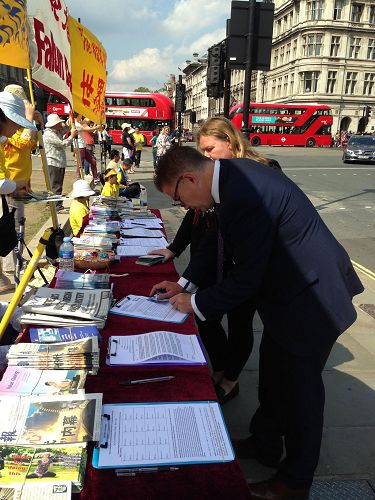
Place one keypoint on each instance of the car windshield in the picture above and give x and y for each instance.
(362, 141)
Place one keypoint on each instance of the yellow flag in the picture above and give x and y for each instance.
(14, 47)
(88, 60)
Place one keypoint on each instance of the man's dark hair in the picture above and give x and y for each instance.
(114, 153)
(177, 160)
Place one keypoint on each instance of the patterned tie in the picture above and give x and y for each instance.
(220, 248)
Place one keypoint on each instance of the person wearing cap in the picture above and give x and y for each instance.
(13, 115)
(111, 186)
(54, 146)
(79, 208)
(127, 141)
(84, 152)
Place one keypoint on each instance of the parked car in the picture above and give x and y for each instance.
(360, 148)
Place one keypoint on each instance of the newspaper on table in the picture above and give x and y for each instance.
(42, 420)
(70, 304)
(55, 465)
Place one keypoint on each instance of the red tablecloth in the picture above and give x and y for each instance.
(191, 383)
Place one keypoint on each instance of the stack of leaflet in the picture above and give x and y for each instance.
(92, 241)
(76, 355)
(101, 227)
(103, 212)
(75, 281)
(129, 213)
(113, 201)
(140, 236)
(52, 306)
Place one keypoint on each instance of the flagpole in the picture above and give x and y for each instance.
(52, 205)
(75, 145)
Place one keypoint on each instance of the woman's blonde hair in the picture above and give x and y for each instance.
(224, 130)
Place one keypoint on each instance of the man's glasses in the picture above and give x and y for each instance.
(176, 198)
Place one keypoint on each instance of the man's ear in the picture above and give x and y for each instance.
(191, 177)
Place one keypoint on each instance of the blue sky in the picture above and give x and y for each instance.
(147, 40)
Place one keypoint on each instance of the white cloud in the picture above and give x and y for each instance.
(202, 44)
(148, 68)
(191, 16)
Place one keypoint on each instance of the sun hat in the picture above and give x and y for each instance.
(13, 108)
(81, 188)
(125, 125)
(16, 90)
(53, 119)
(111, 172)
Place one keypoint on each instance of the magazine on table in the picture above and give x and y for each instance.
(20, 380)
(155, 348)
(42, 420)
(56, 490)
(84, 304)
(52, 335)
(35, 466)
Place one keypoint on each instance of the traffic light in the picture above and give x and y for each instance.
(215, 70)
(180, 101)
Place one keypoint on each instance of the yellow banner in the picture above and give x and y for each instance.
(88, 60)
(14, 47)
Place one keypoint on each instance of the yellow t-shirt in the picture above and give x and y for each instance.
(78, 210)
(138, 138)
(110, 189)
(17, 151)
(3, 172)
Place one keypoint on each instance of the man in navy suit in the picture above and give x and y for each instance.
(302, 282)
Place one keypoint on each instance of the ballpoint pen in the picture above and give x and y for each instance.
(144, 470)
(147, 380)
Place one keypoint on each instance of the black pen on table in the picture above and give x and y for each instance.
(146, 470)
(147, 380)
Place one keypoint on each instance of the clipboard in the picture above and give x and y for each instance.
(211, 429)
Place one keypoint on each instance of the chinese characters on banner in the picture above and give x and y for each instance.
(88, 72)
(14, 47)
(50, 46)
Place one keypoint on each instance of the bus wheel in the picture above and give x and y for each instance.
(310, 143)
(255, 141)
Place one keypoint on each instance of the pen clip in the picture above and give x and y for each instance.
(104, 433)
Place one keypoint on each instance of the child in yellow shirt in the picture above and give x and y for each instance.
(111, 186)
(80, 205)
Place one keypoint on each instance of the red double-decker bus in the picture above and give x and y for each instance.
(286, 124)
(148, 111)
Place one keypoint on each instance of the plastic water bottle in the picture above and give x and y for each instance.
(143, 197)
(66, 254)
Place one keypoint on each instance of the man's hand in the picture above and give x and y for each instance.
(168, 255)
(171, 288)
(73, 133)
(182, 302)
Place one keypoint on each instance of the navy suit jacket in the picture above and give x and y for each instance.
(285, 259)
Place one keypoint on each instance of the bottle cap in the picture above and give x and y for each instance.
(66, 239)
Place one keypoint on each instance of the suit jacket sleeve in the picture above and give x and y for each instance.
(183, 236)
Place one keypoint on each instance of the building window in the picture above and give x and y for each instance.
(371, 49)
(331, 82)
(314, 9)
(276, 58)
(285, 85)
(287, 52)
(282, 49)
(279, 81)
(351, 81)
(368, 84)
(312, 45)
(372, 14)
(291, 84)
(335, 45)
(309, 81)
(357, 9)
(295, 48)
(273, 88)
(337, 10)
(354, 46)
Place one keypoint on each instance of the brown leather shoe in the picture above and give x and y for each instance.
(274, 489)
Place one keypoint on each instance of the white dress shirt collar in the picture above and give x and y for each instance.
(215, 182)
